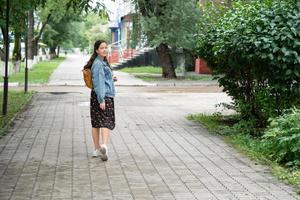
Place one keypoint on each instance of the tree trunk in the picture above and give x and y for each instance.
(17, 47)
(58, 50)
(16, 66)
(30, 46)
(38, 36)
(17, 52)
(168, 70)
(52, 52)
(3, 50)
(35, 47)
(2, 54)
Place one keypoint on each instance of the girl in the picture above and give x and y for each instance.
(102, 99)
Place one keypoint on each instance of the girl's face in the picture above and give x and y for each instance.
(102, 50)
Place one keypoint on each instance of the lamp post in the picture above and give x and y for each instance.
(26, 60)
(5, 89)
(26, 67)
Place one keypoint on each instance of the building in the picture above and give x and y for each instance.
(120, 25)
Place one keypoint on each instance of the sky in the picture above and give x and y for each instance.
(111, 7)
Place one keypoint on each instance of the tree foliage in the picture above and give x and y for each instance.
(255, 47)
(168, 21)
(76, 30)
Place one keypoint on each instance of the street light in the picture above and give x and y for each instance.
(26, 65)
(26, 60)
(5, 90)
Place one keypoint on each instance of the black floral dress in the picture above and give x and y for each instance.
(102, 118)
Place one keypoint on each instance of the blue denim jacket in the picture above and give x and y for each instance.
(102, 80)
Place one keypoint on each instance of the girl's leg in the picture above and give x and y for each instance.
(105, 138)
(95, 134)
(105, 135)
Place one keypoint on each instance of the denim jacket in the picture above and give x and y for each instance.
(102, 80)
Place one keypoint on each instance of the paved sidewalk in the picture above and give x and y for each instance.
(69, 72)
(155, 153)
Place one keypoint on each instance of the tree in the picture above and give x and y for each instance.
(75, 30)
(84, 32)
(77, 37)
(23, 13)
(18, 12)
(167, 25)
(58, 31)
(52, 11)
(62, 12)
(96, 27)
(18, 28)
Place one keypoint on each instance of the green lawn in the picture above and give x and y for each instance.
(145, 69)
(149, 73)
(247, 145)
(16, 101)
(39, 74)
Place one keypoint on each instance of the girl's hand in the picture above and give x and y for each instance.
(102, 106)
(115, 78)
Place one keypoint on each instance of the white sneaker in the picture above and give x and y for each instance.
(96, 153)
(103, 150)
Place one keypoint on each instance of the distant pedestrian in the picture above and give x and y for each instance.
(102, 99)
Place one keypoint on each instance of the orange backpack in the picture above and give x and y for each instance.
(87, 77)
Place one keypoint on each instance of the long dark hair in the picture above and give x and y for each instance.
(94, 55)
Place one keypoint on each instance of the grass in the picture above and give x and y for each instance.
(149, 73)
(199, 78)
(39, 74)
(16, 101)
(252, 147)
(145, 69)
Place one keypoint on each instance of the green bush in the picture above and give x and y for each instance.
(282, 139)
(255, 47)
